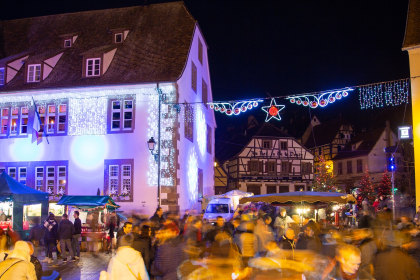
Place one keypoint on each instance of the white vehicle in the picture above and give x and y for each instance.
(219, 207)
(224, 205)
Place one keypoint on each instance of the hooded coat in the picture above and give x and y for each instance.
(17, 266)
(127, 264)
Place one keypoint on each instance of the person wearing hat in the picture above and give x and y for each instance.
(127, 264)
(18, 264)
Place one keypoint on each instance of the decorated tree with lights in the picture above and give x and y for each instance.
(366, 189)
(325, 181)
(384, 188)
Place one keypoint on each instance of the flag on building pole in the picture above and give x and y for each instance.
(36, 128)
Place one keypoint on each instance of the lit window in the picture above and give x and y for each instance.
(61, 179)
(51, 180)
(22, 175)
(67, 43)
(12, 172)
(4, 120)
(51, 118)
(93, 67)
(116, 115)
(34, 73)
(24, 117)
(118, 38)
(113, 179)
(39, 178)
(14, 121)
(62, 116)
(41, 112)
(1, 76)
(126, 179)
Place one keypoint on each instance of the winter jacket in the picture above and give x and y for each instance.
(77, 226)
(361, 274)
(216, 230)
(246, 241)
(393, 264)
(309, 243)
(264, 235)
(127, 259)
(413, 248)
(50, 234)
(287, 245)
(169, 256)
(22, 269)
(36, 233)
(38, 267)
(142, 245)
(65, 229)
(368, 249)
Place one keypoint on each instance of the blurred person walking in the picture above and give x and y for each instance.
(413, 247)
(264, 233)
(220, 227)
(308, 240)
(17, 266)
(126, 229)
(281, 223)
(76, 236)
(127, 264)
(35, 235)
(50, 237)
(247, 241)
(35, 261)
(65, 232)
(142, 243)
(287, 243)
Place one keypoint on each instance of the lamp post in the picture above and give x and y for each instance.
(151, 143)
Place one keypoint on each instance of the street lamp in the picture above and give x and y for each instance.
(151, 144)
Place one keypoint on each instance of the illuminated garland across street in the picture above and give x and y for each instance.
(392, 93)
(234, 108)
(321, 99)
(273, 110)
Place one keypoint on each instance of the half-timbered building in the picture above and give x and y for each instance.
(263, 159)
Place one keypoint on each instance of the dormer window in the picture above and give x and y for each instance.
(34, 73)
(1, 76)
(93, 67)
(67, 43)
(118, 37)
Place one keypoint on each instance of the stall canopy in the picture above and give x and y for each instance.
(21, 195)
(297, 197)
(89, 202)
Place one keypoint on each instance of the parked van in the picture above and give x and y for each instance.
(223, 207)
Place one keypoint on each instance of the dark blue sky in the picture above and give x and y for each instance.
(283, 47)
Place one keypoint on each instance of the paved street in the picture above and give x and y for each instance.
(87, 268)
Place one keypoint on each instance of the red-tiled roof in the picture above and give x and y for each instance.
(155, 49)
(412, 29)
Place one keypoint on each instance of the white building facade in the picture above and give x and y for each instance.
(97, 94)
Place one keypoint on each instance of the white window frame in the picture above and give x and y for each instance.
(112, 115)
(93, 67)
(8, 172)
(58, 118)
(2, 169)
(2, 76)
(51, 126)
(49, 178)
(20, 178)
(126, 177)
(14, 121)
(67, 40)
(113, 188)
(39, 179)
(4, 117)
(62, 185)
(124, 110)
(122, 37)
(22, 119)
(34, 69)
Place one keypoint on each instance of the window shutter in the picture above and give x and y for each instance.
(249, 166)
(290, 167)
(309, 168)
(260, 166)
(266, 167)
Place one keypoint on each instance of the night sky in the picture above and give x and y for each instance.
(279, 48)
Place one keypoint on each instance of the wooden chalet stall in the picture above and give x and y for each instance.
(263, 160)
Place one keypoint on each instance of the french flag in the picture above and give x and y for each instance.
(36, 127)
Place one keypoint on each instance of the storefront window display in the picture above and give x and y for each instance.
(30, 213)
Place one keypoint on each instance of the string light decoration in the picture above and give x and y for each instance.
(87, 116)
(325, 180)
(378, 95)
(234, 108)
(192, 176)
(167, 150)
(201, 132)
(322, 99)
(273, 110)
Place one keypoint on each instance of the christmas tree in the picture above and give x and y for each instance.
(325, 181)
(384, 188)
(366, 189)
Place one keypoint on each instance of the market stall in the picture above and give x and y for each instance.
(92, 210)
(303, 201)
(20, 204)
